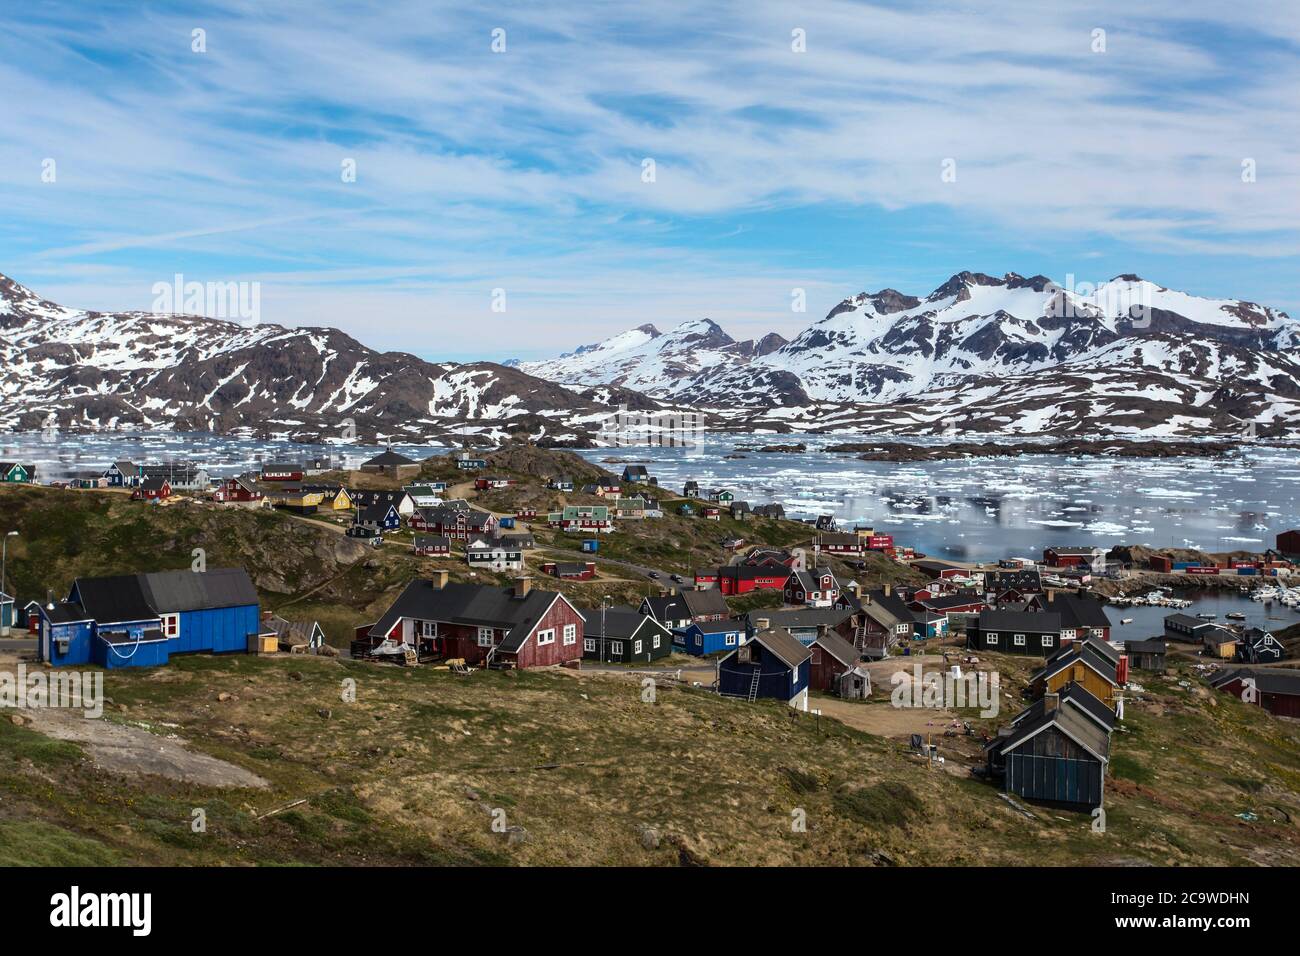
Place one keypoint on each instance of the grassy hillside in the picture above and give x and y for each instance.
(413, 771)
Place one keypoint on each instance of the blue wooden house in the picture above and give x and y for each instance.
(709, 637)
(379, 517)
(123, 474)
(140, 620)
(6, 611)
(772, 664)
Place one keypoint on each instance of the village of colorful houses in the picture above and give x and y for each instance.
(824, 639)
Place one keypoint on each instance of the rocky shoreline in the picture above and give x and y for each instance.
(1118, 448)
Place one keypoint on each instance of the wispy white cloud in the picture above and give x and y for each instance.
(523, 170)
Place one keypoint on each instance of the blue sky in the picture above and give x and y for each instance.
(522, 170)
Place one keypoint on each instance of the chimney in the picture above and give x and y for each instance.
(1051, 595)
(439, 579)
(523, 585)
(889, 589)
(856, 588)
(49, 599)
(762, 623)
(821, 630)
(1050, 703)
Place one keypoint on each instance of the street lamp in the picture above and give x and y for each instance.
(604, 657)
(4, 557)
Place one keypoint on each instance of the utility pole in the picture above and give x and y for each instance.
(603, 642)
(4, 559)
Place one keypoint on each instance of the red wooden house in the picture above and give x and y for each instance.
(240, 488)
(507, 627)
(1071, 557)
(282, 471)
(832, 658)
(152, 489)
(570, 570)
(743, 578)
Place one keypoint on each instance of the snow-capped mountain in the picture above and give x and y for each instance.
(652, 361)
(1008, 354)
(132, 370)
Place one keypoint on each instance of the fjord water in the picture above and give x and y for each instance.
(983, 509)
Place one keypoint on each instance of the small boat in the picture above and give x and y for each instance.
(1126, 620)
(1235, 616)
(1207, 616)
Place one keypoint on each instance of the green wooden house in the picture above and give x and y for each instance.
(12, 471)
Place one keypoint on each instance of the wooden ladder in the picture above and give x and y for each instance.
(753, 684)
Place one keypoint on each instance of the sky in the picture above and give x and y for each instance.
(532, 177)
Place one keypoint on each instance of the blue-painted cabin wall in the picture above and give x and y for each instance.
(735, 678)
(219, 630)
(143, 654)
(7, 614)
(693, 641)
(79, 637)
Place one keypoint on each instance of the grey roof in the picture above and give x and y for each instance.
(1155, 645)
(783, 644)
(1084, 653)
(1072, 695)
(799, 617)
(716, 627)
(471, 604)
(169, 591)
(1186, 620)
(1270, 680)
(619, 623)
(1070, 722)
(710, 601)
(838, 648)
(432, 541)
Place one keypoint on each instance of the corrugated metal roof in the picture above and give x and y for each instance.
(170, 591)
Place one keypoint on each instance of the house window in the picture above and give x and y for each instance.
(546, 637)
(699, 640)
(816, 595)
(589, 645)
(171, 624)
(485, 637)
(1067, 634)
(636, 647)
(992, 639)
(428, 629)
(617, 648)
(1048, 640)
(731, 640)
(570, 634)
(798, 595)
(656, 642)
(1019, 640)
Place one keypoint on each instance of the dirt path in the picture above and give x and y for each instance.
(134, 751)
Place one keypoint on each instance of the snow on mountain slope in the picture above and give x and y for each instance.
(97, 370)
(886, 346)
(652, 361)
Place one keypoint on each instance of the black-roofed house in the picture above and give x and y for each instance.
(1276, 689)
(389, 462)
(519, 626)
(835, 667)
(1015, 632)
(621, 634)
(377, 518)
(152, 489)
(668, 609)
(494, 554)
(1071, 695)
(1184, 627)
(431, 545)
(702, 638)
(1056, 756)
(140, 620)
(1259, 646)
(773, 664)
(1092, 664)
(123, 474)
(1081, 617)
(635, 473)
(1149, 655)
(816, 588)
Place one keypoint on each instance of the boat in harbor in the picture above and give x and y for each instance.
(1235, 616)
